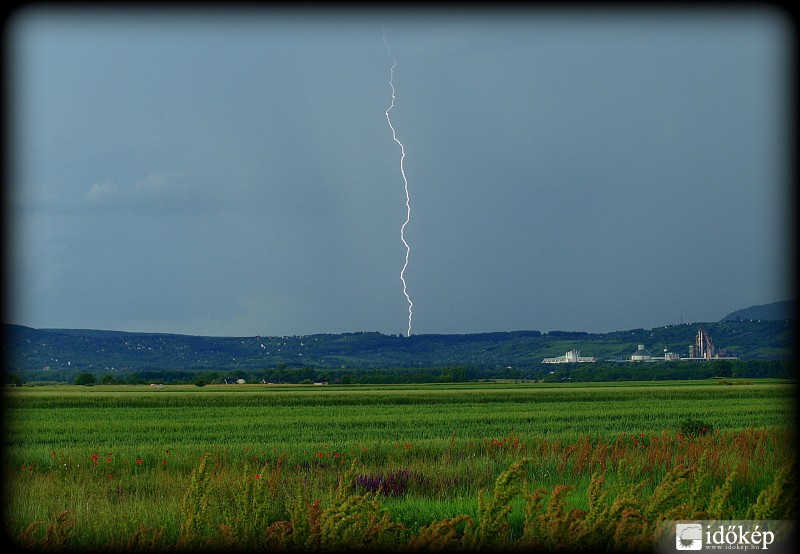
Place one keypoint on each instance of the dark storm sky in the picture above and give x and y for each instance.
(222, 172)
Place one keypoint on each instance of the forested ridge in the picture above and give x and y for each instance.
(58, 354)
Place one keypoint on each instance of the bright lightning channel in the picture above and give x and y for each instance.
(405, 184)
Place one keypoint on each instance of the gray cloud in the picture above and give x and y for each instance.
(235, 174)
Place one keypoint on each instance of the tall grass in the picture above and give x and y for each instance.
(285, 468)
(322, 507)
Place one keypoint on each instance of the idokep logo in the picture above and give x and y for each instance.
(774, 536)
(688, 536)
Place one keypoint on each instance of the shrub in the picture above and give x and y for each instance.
(86, 379)
(694, 427)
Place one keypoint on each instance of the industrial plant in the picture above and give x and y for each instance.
(571, 357)
(702, 350)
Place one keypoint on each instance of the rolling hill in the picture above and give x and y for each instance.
(786, 309)
(26, 349)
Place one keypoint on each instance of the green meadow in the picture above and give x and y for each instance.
(323, 468)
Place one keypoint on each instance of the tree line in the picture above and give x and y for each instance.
(549, 373)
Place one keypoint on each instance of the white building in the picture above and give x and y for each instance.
(641, 355)
(571, 357)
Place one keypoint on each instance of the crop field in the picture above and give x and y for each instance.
(324, 468)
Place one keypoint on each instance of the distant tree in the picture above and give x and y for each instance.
(213, 377)
(13, 379)
(84, 378)
(454, 374)
(306, 373)
(137, 379)
(107, 380)
(200, 382)
(722, 368)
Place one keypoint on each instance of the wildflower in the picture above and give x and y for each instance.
(108, 476)
(167, 451)
(53, 454)
(258, 476)
(139, 461)
(163, 462)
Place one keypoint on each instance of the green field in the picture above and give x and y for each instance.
(312, 467)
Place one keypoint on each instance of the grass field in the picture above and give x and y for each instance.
(324, 467)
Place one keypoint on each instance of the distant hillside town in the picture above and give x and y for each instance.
(702, 350)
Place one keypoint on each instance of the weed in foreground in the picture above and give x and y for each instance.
(328, 509)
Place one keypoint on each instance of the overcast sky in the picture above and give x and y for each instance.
(234, 174)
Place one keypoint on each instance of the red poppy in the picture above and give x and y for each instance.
(138, 460)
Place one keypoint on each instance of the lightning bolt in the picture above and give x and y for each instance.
(405, 185)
